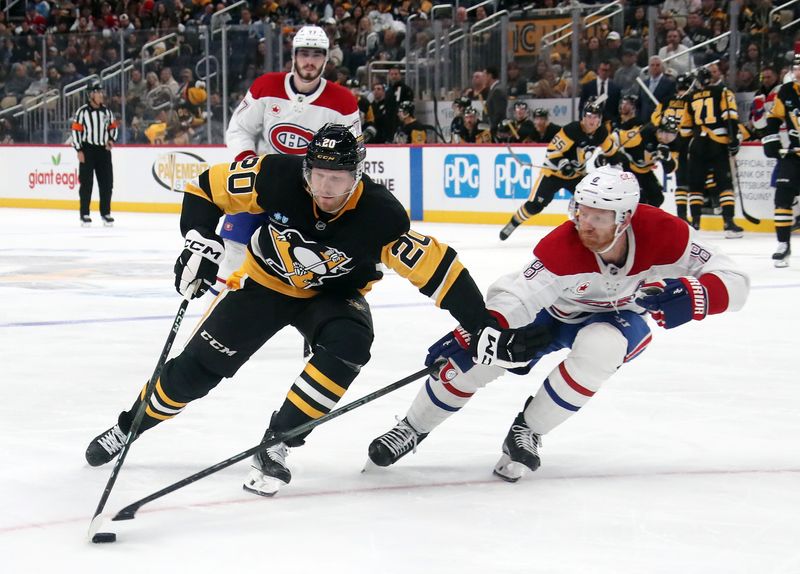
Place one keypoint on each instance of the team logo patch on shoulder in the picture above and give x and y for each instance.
(289, 138)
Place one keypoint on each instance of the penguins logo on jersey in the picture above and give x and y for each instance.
(304, 264)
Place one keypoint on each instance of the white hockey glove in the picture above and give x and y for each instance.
(200, 259)
(509, 348)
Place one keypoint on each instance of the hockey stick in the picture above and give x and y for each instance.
(97, 519)
(129, 512)
(738, 186)
(521, 161)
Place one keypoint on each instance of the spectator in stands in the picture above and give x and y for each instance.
(626, 74)
(517, 87)
(662, 87)
(167, 80)
(751, 59)
(695, 29)
(710, 11)
(721, 45)
(591, 54)
(38, 85)
(675, 7)
(399, 91)
(390, 45)
(16, 85)
(496, 99)
(137, 87)
(745, 80)
(717, 73)
(612, 51)
(8, 135)
(636, 24)
(602, 85)
(381, 119)
(681, 60)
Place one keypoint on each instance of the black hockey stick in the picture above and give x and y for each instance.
(129, 512)
(737, 184)
(97, 519)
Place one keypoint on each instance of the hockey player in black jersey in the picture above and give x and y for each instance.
(520, 126)
(677, 106)
(647, 147)
(628, 120)
(544, 131)
(460, 105)
(567, 154)
(309, 266)
(410, 130)
(785, 112)
(712, 123)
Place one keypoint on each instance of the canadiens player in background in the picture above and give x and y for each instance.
(279, 114)
(309, 265)
(591, 283)
(784, 112)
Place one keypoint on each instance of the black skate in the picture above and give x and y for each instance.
(86, 221)
(781, 256)
(106, 446)
(391, 446)
(733, 231)
(269, 471)
(520, 451)
(506, 232)
(108, 221)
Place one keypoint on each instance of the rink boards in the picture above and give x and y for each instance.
(438, 183)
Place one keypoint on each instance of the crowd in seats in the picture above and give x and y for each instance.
(86, 36)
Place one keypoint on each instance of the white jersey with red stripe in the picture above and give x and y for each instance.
(274, 118)
(572, 282)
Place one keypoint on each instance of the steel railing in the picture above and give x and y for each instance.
(781, 8)
(615, 6)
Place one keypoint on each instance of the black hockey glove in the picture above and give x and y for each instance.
(662, 152)
(450, 355)
(200, 259)
(673, 302)
(566, 168)
(773, 149)
(509, 348)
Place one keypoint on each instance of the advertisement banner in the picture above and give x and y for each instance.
(526, 35)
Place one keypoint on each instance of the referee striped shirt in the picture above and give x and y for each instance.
(93, 126)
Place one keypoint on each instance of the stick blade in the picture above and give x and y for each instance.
(127, 513)
(95, 524)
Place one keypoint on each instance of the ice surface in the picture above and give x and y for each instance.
(686, 461)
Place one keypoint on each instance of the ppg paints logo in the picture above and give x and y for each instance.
(512, 180)
(462, 175)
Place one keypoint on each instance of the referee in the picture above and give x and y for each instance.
(94, 132)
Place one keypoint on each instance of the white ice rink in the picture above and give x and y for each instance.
(687, 461)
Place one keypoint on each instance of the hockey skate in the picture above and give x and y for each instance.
(86, 221)
(506, 232)
(733, 231)
(104, 447)
(108, 221)
(781, 256)
(520, 451)
(391, 446)
(269, 471)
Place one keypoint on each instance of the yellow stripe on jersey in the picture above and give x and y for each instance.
(432, 267)
(323, 380)
(230, 186)
(297, 401)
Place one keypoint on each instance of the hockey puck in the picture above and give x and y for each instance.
(104, 537)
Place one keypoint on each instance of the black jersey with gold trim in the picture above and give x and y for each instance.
(675, 107)
(711, 112)
(300, 251)
(574, 144)
(549, 133)
(625, 130)
(785, 111)
(521, 131)
(640, 152)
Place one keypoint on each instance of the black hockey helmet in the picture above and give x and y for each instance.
(668, 124)
(406, 107)
(94, 86)
(521, 106)
(684, 81)
(335, 147)
(470, 111)
(632, 99)
(590, 107)
(541, 113)
(463, 102)
(704, 77)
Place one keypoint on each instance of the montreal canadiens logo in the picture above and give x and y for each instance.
(290, 139)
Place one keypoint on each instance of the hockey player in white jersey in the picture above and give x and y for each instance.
(280, 114)
(590, 286)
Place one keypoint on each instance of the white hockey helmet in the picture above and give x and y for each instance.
(610, 188)
(311, 37)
